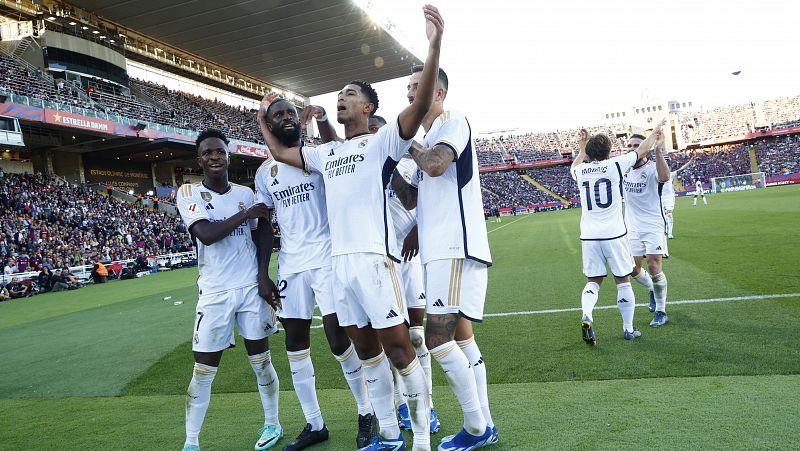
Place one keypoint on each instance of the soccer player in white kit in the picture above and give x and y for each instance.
(604, 238)
(368, 297)
(647, 226)
(304, 278)
(455, 255)
(403, 207)
(223, 217)
(699, 191)
(668, 199)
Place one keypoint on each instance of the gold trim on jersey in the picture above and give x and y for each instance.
(186, 190)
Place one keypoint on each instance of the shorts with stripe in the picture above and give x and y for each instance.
(413, 283)
(217, 313)
(615, 252)
(456, 286)
(648, 243)
(300, 291)
(367, 290)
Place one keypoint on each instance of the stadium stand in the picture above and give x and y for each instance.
(557, 180)
(48, 222)
(513, 191)
(778, 155)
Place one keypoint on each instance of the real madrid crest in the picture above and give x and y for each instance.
(242, 207)
(206, 196)
(363, 143)
(274, 171)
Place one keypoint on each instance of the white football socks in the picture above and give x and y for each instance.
(473, 353)
(417, 334)
(304, 381)
(352, 369)
(589, 298)
(381, 393)
(644, 279)
(626, 303)
(197, 398)
(268, 385)
(660, 291)
(462, 381)
(415, 393)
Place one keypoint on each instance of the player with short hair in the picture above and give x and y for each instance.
(647, 226)
(603, 234)
(403, 207)
(455, 255)
(304, 277)
(699, 191)
(222, 217)
(369, 302)
(668, 198)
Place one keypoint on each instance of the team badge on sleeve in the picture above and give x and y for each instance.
(274, 171)
(206, 196)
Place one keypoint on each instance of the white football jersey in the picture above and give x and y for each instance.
(356, 173)
(643, 210)
(298, 198)
(600, 186)
(699, 187)
(668, 192)
(450, 207)
(230, 262)
(404, 220)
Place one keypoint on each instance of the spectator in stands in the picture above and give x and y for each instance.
(129, 272)
(59, 282)
(45, 280)
(11, 267)
(17, 289)
(69, 278)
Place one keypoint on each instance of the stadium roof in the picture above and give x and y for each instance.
(309, 46)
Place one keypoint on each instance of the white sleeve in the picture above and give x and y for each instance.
(392, 145)
(249, 200)
(262, 183)
(626, 160)
(311, 156)
(574, 172)
(189, 208)
(454, 133)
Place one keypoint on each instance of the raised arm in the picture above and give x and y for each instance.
(688, 163)
(662, 169)
(279, 151)
(583, 138)
(647, 144)
(326, 131)
(210, 232)
(411, 117)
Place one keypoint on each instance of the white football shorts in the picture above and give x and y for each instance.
(367, 291)
(412, 277)
(217, 312)
(456, 285)
(648, 243)
(616, 252)
(299, 292)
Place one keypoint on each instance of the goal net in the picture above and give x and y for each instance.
(738, 182)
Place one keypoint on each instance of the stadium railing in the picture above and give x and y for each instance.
(84, 272)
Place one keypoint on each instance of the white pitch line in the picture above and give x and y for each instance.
(508, 224)
(606, 307)
(688, 301)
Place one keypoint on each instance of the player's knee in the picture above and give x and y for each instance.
(654, 267)
(417, 335)
(400, 356)
(339, 342)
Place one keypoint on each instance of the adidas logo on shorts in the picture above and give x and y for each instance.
(658, 248)
(421, 296)
(438, 303)
(392, 314)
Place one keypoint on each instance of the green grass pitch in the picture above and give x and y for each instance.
(106, 367)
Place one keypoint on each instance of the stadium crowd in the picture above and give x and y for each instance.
(508, 189)
(48, 223)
